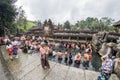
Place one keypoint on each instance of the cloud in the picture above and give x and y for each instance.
(61, 10)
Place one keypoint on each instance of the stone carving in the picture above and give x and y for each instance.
(48, 27)
(104, 47)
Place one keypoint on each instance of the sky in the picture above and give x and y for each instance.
(73, 10)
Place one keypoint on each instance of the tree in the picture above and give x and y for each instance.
(94, 24)
(107, 23)
(67, 25)
(25, 23)
(50, 23)
(7, 15)
(77, 25)
(21, 19)
(39, 23)
(82, 24)
(45, 23)
(59, 26)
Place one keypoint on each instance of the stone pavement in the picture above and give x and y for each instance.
(28, 67)
(2, 73)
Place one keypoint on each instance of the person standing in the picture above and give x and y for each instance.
(86, 60)
(9, 50)
(44, 59)
(70, 59)
(66, 56)
(15, 48)
(54, 54)
(59, 56)
(77, 60)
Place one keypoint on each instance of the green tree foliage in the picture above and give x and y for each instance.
(67, 25)
(39, 23)
(50, 23)
(21, 20)
(45, 23)
(59, 26)
(94, 24)
(107, 23)
(7, 15)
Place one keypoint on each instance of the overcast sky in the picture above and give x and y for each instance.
(61, 10)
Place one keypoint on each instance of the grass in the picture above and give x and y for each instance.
(28, 26)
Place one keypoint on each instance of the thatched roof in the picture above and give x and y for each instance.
(117, 24)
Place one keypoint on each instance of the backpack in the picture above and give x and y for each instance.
(107, 66)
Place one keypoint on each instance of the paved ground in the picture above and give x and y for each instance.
(2, 73)
(28, 67)
(3, 70)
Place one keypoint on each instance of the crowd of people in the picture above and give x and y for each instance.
(69, 53)
(12, 46)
